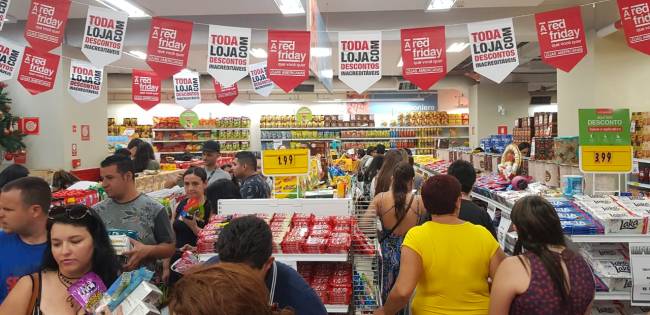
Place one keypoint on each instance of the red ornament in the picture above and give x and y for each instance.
(9, 156)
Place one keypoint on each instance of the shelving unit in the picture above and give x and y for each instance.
(199, 129)
(637, 184)
(613, 296)
(343, 309)
(197, 141)
(359, 128)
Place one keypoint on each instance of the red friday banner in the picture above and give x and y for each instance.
(226, 94)
(145, 89)
(635, 17)
(288, 61)
(46, 21)
(424, 55)
(38, 71)
(561, 36)
(169, 46)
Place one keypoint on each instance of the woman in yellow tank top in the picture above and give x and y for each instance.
(446, 261)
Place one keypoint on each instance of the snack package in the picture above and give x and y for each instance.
(125, 284)
(88, 291)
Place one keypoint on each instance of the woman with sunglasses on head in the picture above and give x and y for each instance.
(189, 217)
(77, 243)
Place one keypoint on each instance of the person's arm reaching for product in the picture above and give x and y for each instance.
(142, 253)
(406, 282)
(506, 285)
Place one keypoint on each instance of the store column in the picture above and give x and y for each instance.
(62, 120)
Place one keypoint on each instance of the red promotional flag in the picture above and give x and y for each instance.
(288, 61)
(46, 22)
(635, 17)
(225, 94)
(561, 36)
(145, 88)
(169, 46)
(424, 55)
(38, 71)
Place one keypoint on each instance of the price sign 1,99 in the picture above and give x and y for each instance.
(606, 159)
(289, 162)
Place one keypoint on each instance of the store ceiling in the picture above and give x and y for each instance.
(340, 15)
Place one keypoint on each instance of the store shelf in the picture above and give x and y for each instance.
(298, 139)
(193, 152)
(610, 238)
(642, 161)
(491, 202)
(188, 141)
(199, 129)
(637, 184)
(360, 128)
(337, 308)
(311, 257)
(612, 296)
(369, 139)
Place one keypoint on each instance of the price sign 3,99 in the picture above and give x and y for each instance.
(290, 162)
(602, 157)
(606, 159)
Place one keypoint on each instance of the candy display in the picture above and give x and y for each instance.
(300, 134)
(139, 131)
(641, 134)
(617, 215)
(70, 196)
(290, 121)
(224, 122)
(430, 119)
(332, 282)
(192, 135)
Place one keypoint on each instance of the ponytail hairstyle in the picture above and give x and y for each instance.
(402, 176)
(538, 226)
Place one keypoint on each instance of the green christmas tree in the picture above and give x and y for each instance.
(11, 139)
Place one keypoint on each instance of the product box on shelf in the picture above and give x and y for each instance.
(614, 218)
(565, 150)
(641, 134)
(332, 282)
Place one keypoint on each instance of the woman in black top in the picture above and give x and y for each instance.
(190, 216)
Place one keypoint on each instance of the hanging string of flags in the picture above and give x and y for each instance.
(493, 46)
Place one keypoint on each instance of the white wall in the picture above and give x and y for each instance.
(514, 98)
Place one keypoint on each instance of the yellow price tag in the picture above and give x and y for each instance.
(606, 159)
(290, 162)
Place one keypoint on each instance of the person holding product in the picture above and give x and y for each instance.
(189, 217)
(548, 278)
(252, 184)
(399, 209)
(464, 172)
(248, 240)
(222, 289)
(144, 159)
(381, 183)
(77, 243)
(449, 260)
(127, 209)
(23, 219)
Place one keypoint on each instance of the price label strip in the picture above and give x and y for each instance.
(292, 162)
(606, 159)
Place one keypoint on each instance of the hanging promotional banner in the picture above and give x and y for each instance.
(104, 35)
(46, 21)
(260, 80)
(4, 8)
(494, 48)
(226, 94)
(288, 61)
(228, 53)
(561, 36)
(187, 88)
(169, 46)
(85, 81)
(145, 88)
(359, 59)
(38, 71)
(635, 17)
(424, 55)
(10, 57)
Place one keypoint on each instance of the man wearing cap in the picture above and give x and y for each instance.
(211, 153)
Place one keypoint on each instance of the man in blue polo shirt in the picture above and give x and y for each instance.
(248, 240)
(24, 204)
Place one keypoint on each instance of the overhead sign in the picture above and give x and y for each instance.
(38, 71)
(46, 21)
(104, 35)
(494, 48)
(288, 61)
(169, 46)
(260, 80)
(228, 53)
(360, 59)
(226, 94)
(635, 17)
(85, 82)
(10, 57)
(291, 162)
(561, 36)
(4, 9)
(605, 143)
(145, 88)
(424, 55)
(187, 88)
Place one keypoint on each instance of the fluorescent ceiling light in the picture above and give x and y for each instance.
(457, 47)
(259, 53)
(125, 6)
(137, 54)
(290, 7)
(436, 5)
(321, 51)
(400, 63)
